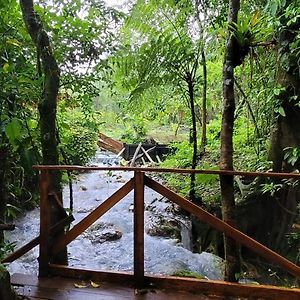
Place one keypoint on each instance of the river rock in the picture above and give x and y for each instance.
(165, 228)
(106, 236)
(103, 232)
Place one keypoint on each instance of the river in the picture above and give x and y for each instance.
(108, 244)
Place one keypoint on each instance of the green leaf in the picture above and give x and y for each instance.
(281, 111)
(5, 68)
(13, 131)
(13, 42)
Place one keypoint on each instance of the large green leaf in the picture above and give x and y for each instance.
(13, 131)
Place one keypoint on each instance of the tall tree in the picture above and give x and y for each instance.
(164, 53)
(49, 72)
(226, 155)
(285, 140)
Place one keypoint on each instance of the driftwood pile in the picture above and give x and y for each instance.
(147, 154)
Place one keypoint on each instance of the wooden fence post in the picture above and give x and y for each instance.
(138, 229)
(44, 257)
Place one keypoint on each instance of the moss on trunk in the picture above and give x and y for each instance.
(47, 109)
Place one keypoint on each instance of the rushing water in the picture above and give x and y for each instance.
(108, 243)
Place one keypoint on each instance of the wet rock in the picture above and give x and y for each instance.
(106, 236)
(100, 226)
(84, 210)
(120, 180)
(165, 228)
(131, 208)
(103, 232)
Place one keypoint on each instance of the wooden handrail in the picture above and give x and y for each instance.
(169, 170)
(138, 183)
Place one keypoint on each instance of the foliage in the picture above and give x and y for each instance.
(78, 135)
(271, 188)
(81, 46)
(206, 185)
(250, 30)
(6, 248)
(289, 18)
(292, 155)
(156, 51)
(18, 98)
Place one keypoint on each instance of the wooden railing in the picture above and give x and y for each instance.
(50, 247)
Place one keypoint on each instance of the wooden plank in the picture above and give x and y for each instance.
(106, 146)
(7, 226)
(158, 159)
(122, 278)
(223, 288)
(33, 243)
(228, 230)
(117, 145)
(135, 154)
(175, 284)
(147, 155)
(121, 152)
(142, 154)
(80, 227)
(143, 160)
(170, 170)
(44, 257)
(106, 293)
(59, 288)
(138, 217)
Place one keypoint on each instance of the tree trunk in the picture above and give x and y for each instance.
(192, 195)
(3, 191)
(204, 101)
(6, 291)
(47, 109)
(226, 156)
(286, 131)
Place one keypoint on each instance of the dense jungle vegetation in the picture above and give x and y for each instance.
(218, 80)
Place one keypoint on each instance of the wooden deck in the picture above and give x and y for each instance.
(32, 287)
(66, 282)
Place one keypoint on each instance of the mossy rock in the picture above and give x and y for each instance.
(188, 273)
